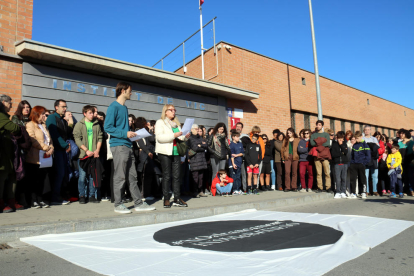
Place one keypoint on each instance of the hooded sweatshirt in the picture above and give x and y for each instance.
(361, 153)
(216, 181)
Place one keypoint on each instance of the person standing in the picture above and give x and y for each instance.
(117, 126)
(167, 131)
(278, 160)
(371, 168)
(266, 167)
(361, 156)
(41, 140)
(290, 158)
(245, 139)
(339, 152)
(88, 138)
(219, 148)
(305, 162)
(237, 152)
(60, 132)
(7, 174)
(197, 147)
(322, 162)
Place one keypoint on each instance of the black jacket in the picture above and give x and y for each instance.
(253, 154)
(94, 167)
(339, 153)
(197, 152)
(269, 148)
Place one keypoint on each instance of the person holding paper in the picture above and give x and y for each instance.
(167, 131)
(41, 144)
(88, 137)
(117, 126)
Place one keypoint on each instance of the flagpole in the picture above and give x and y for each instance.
(202, 46)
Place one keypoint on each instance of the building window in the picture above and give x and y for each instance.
(361, 128)
(353, 127)
(389, 133)
(343, 126)
(367, 101)
(405, 114)
(303, 81)
(306, 118)
(333, 125)
(293, 121)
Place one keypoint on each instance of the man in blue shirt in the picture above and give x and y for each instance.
(117, 126)
(236, 162)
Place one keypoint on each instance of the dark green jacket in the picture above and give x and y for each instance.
(17, 121)
(81, 136)
(59, 130)
(7, 147)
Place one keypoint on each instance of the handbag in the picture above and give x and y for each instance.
(181, 147)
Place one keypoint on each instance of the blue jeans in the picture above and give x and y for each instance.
(371, 170)
(83, 178)
(60, 170)
(236, 175)
(273, 173)
(224, 189)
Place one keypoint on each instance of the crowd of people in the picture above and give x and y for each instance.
(49, 158)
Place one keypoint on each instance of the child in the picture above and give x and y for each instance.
(253, 158)
(360, 157)
(222, 184)
(383, 172)
(236, 161)
(339, 152)
(395, 171)
(88, 137)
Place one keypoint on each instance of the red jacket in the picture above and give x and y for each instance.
(216, 180)
(381, 150)
(323, 152)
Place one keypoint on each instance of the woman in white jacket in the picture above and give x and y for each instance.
(167, 131)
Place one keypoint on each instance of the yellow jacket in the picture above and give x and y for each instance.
(398, 160)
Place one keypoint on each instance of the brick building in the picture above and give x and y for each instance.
(272, 94)
(288, 94)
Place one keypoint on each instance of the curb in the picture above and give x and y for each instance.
(15, 232)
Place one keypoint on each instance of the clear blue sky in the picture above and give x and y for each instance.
(366, 44)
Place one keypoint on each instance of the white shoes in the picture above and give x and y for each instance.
(337, 195)
(343, 195)
(352, 196)
(363, 195)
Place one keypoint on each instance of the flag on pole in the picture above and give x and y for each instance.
(201, 2)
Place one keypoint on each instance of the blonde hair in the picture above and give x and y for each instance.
(256, 129)
(164, 110)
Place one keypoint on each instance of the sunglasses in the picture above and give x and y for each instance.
(306, 133)
(172, 110)
(264, 138)
(331, 135)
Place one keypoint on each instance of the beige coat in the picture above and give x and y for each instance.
(164, 137)
(38, 142)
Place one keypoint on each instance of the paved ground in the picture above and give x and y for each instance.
(393, 257)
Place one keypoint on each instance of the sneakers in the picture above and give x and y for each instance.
(144, 207)
(225, 194)
(255, 192)
(201, 194)
(310, 190)
(384, 192)
(167, 204)
(63, 202)
(149, 198)
(337, 195)
(303, 190)
(44, 204)
(287, 190)
(393, 195)
(318, 191)
(343, 195)
(82, 200)
(294, 190)
(401, 195)
(352, 196)
(179, 203)
(329, 191)
(92, 199)
(363, 195)
(36, 205)
(375, 194)
(249, 192)
(106, 198)
(122, 209)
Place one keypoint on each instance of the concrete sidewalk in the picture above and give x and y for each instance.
(76, 217)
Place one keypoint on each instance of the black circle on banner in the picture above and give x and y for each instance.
(248, 235)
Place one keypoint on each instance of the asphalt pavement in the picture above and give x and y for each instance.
(393, 257)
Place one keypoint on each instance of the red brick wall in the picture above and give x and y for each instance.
(281, 90)
(16, 18)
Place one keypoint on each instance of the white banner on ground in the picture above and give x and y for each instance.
(244, 243)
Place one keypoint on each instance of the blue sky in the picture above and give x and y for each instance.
(364, 44)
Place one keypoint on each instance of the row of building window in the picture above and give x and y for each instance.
(307, 124)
